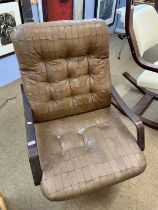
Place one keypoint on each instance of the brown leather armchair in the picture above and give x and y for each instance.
(75, 140)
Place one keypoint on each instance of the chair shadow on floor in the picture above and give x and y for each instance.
(95, 199)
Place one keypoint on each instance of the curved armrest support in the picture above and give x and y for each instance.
(146, 65)
(31, 141)
(118, 102)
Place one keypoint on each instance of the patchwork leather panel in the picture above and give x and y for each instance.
(84, 152)
(64, 66)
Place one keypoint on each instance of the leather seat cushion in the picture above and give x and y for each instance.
(83, 152)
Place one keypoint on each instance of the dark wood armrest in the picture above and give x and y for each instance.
(31, 140)
(118, 102)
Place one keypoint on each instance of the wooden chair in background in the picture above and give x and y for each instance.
(142, 34)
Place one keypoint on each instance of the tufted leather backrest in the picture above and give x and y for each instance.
(64, 66)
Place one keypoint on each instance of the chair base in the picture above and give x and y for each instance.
(122, 37)
(143, 103)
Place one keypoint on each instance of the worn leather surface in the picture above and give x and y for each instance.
(84, 152)
(65, 71)
(64, 66)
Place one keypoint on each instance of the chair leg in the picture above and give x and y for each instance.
(121, 49)
(143, 103)
(2, 203)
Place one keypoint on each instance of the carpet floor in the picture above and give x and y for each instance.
(16, 183)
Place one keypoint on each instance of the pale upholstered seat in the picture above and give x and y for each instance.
(147, 37)
(145, 27)
(145, 21)
(76, 143)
